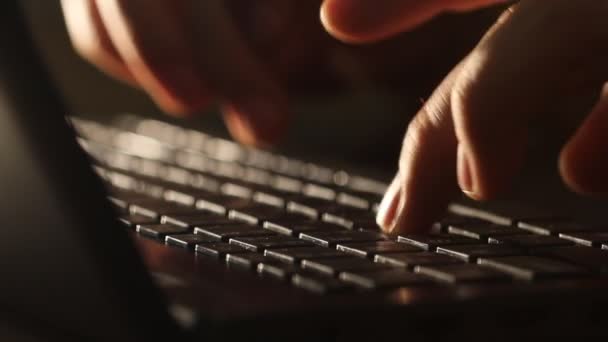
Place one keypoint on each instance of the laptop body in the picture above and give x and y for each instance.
(71, 272)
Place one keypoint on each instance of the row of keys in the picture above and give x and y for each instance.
(162, 144)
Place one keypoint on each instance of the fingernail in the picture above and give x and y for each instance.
(387, 211)
(465, 178)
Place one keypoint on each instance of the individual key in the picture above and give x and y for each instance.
(411, 260)
(594, 260)
(273, 197)
(236, 190)
(327, 239)
(470, 253)
(225, 233)
(482, 231)
(462, 273)
(370, 249)
(257, 214)
(295, 255)
(384, 279)
(276, 269)
(159, 231)
(248, 260)
(351, 200)
(288, 227)
(347, 217)
(482, 214)
(532, 268)
(261, 243)
(218, 250)
(132, 221)
(120, 205)
(318, 191)
(552, 227)
(200, 219)
(188, 240)
(586, 239)
(443, 225)
(530, 241)
(159, 208)
(286, 184)
(333, 266)
(311, 207)
(429, 242)
(221, 204)
(318, 283)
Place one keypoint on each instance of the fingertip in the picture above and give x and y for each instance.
(340, 18)
(390, 206)
(257, 122)
(581, 175)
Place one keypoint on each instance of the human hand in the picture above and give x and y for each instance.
(471, 133)
(189, 54)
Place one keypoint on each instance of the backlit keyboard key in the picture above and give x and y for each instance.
(430, 242)
(249, 260)
(411, 260)
(530, 241)
(225, 233)
(328, 239)
(295, 255)
(159, 231)
(336, 265)
(483, 232)
(462, 273)
(295, 228)
(384, 279)
(276, 269)
(532, 268)
(586, 239)
(552, 227)
(370, 249)
(188, 240)
(218, 250)
(259, 244)
(470, 253)
(132, 221)
(202, 218)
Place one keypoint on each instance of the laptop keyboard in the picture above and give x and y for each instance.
(311, 226)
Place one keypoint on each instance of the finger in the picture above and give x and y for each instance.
(526, 63)
(90, 38)
(254, 105)
(584, 159)
(360, 21)
(428, 161)
(152, 43)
